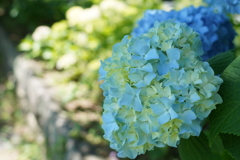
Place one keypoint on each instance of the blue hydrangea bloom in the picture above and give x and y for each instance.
(226, 6)
(216, 31)
(156, 89)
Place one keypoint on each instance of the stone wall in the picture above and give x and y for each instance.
(43, 113)
(36, 97)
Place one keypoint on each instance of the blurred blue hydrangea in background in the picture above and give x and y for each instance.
(215, 29)
(225, 6)
(156, 89)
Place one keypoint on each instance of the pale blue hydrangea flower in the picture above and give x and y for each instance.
(215, 29)
(227, 6)
(156, 89)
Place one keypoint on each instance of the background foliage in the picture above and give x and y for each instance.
(74, 47)
(80, 33)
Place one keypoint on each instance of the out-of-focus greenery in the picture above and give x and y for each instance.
(20, 17)
(236, 22)
(13, 130)
(180, 4)
(70, 51)
(74, 46)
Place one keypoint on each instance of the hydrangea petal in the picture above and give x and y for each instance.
(149, 77)
(216, 31)
(145, 128)
(148, 68)
(173, 53)
(194, 97)
(164, 118)
(155, 102)
(163, 68)
(158, 109)
(151, 54)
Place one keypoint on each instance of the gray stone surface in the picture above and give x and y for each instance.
(36, 97)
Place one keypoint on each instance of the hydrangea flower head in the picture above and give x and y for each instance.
(226, 6)
(156, 89)
(215, 29)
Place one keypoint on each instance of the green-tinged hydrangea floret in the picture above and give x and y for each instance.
(156, 89)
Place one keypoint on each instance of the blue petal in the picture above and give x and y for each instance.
(116, 46)
(195, 127)
(136, 57)
(173, 54)
(148, 68)
(131, 137)
(145, 127)
(172, 113)
(135, 77)
(140, 47)
(184, 128)
(181, 99)
(115, 92)
(158, 109)
(159, 144)
(173, 64)
(167, 32)
(140, 84)
(162, 57)
(133, 70)
(137, 105)
(142, 138)
(164, 118)
(125, 151)
(154, 40)
(125, 39)
(108, 118)
(102, 72)
(163, 68)
(194, 97)
(143, 116)
(188, 116)
(126, 99)
(167, 102)
(149, 77)
(151, 54)
(129, 90)
(109, 128)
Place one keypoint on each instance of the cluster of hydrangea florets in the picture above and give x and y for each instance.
(226, 6)
(215, 29)
(156, 89)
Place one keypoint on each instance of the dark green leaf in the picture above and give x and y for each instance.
(158, 153)
(231, 144)
(225, 118)
(218, 151)
(221, 61)
(194, 148)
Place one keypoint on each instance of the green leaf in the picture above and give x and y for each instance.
(158, 153)
(225, 118)
(231, 144)
(221, 61)
(218, 151)
(194, 148)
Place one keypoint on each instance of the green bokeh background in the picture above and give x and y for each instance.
(78, 34)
